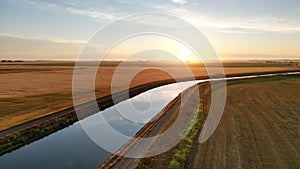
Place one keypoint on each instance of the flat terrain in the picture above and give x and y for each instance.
(260, 128)
(32, 90)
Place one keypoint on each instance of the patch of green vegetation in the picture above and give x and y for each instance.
(181, 155)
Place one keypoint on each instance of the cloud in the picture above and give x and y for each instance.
(40, 4)
(257, 25)
(238, 30)
(235, 24)
(14, 36)
(93, 13)
(181, 2)
(62, 40)
(73, 8)
(53, 40)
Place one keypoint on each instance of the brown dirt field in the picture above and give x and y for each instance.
(259, 129)
(30, 91)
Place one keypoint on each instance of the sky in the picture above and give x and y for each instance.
(237, 29)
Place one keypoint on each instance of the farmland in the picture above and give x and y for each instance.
(259, 128)
(35, 89)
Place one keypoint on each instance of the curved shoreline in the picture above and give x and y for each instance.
(30, 131)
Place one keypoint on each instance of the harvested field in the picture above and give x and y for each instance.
(259, 129)
(32, 90)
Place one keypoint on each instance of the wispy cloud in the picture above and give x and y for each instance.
(52, 40)
(235, 24)
(40, 4)
(93, 13)
(73, 8)
(62, 40)
(181, 2)
(238, 31)
(257, 25)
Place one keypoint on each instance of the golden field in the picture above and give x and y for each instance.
(31, 90)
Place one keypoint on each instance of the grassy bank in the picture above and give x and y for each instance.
(181, 154)
(15, 140)
(183, 149)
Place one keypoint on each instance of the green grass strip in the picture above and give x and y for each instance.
(185, 146)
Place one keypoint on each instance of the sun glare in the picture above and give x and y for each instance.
(186, 54)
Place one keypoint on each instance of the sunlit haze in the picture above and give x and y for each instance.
(237, 29)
